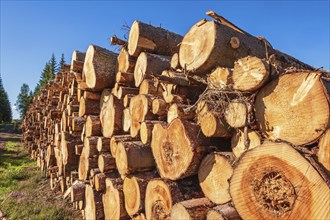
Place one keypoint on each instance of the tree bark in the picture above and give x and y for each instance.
(88, 107)
(133, 157)
(93, 126)
(78, 191)
(119, 138)
(103, 145)
(145, 37)
(106, 162)
(223, 212)
(93, 204)
(77, 61)
(191, 209)
(148, 65)
(125, 79)
(209, 44)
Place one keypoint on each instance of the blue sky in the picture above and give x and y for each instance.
(32, 30)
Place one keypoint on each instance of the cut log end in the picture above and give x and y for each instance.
(263, 169)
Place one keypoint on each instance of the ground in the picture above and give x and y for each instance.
(24, 191)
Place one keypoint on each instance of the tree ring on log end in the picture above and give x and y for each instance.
(158, 200)
(273, 181)
(159, 210)
(274, 192)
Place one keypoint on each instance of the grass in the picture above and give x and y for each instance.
(24, 191)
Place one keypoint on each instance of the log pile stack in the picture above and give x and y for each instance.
(213, 125)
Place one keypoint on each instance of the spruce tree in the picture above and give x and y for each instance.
(62, 62)
(24, 99)
(5, 109)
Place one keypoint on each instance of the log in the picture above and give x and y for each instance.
(113, 199)
(237, 114)
(92, 95)
(278, 166)
(323, 154)
(213, 125)
(78, 191)
(77, 61)
(111, 116)
(93, 126)
(90, 146)
(241, 142)
(213, 175)
(139, 108)
(175, 64)
(209, 44)
(126, 119)
(148, 65)
(145, 37)
(100, 67)
(106, 162)
(123, 91)
(181, 139)
(93, 204)
(140, 216)
(78, 148)
(159, 107)
(146, 130)
(223, 212)
(134, 189)
(116, 139)
(88, 107)
(179, 111)
(191, 209)
(293, 108)
(126, 79)
(103, 144)
(161, 194)
(114, 40)
(126, 63)
(85, 165)
(99, 182)
(250, 73)
(220, 78)
(133, 157)
(127, 100)
(148, 87)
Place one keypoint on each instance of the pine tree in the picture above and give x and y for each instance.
(53, 67)
(62, 62)
(5, 109)
(24, 99)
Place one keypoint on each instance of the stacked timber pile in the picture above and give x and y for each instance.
(213, 125)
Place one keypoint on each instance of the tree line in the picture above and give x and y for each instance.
(26, 95)
(5, 109)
